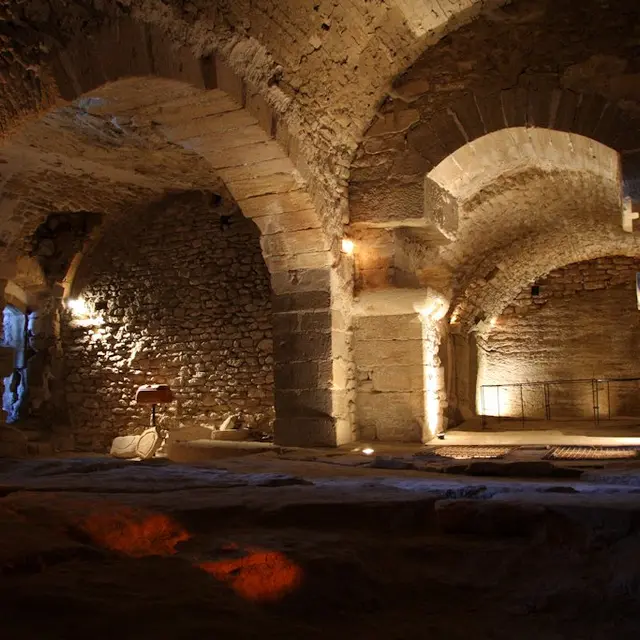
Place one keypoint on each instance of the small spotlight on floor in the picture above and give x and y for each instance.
(368, 451)
(440, 436)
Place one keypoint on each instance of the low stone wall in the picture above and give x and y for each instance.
(581, 321)
(184, 302)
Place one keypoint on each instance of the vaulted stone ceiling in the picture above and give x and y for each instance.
(320, 66)
(543, 63)
(321, 69)
(75, 160)
(512, 207)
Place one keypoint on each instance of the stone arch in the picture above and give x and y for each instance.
(485, 195)
(480, 304)
(169, 296)
(130, 49)
(413, 183)
(460, 89)
(579, 322)
(310, 277)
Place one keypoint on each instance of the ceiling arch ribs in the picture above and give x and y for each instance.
(237, 128)
(276, 52)
(461, 89)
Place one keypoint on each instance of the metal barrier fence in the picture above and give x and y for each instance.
(598, 386)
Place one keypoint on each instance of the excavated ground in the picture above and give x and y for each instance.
(292, 549)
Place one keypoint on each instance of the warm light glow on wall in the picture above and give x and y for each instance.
(83, 314)
(435, 310)
(78, 307)
(504, 401)
(348, 246)
(432, 377)
(432, 402)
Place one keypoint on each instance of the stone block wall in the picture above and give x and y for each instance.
(312, 351)
(185, 303)
(390, 377)
(581, 321)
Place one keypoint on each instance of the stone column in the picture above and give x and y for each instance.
(401, 392)
(435, 393)
(390, 377)
(461, 389)
(312, 350)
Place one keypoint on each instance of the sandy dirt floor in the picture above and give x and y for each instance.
(276, 548)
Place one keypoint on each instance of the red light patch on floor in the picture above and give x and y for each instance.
(134, 533)
(259, 576)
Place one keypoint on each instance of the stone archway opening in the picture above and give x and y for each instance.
(577, 323)
(176, 294)
(497, 214)
(14, 337)
(143, 138)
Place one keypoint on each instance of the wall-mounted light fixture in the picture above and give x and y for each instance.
(435, 310)
(348, 246)
(83, 314)
(78, 307)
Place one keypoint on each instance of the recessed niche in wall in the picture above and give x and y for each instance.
(535, 290)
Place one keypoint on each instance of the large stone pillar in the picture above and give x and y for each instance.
(401, 393)
(390, 376)
(461, 384)
(312, 353)
(435, 392)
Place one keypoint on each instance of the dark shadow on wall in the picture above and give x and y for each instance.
(462, 374)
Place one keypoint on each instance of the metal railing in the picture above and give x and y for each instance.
(598, 385)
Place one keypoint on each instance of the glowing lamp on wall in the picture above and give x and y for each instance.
(83, 315)
(78, 307)
(348, 246)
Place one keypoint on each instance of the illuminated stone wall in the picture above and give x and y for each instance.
(390, 378)
(185, 303)
(582, 321)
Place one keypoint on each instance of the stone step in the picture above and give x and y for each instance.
(204, 450)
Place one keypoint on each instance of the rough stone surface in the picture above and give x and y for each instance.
(390, 378)
(463, 88)
(580, 322)
(186, 304)
(472, 145)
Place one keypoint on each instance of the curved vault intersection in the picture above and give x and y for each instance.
(459, 172)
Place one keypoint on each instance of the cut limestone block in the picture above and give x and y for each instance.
(187, 434)
(229, 423)
(232, 434)
(125, 447)
(148, 444)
